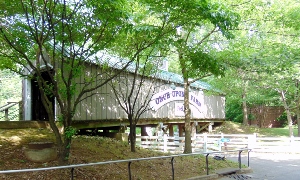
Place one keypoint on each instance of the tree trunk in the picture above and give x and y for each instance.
(132, 136)
(187, 111)
(288, 114)
(64, 152)
(245, 110)
(63, 146)
(187, 124)
(298, 116)
(68, 132)
(298, 107)
(298, 122)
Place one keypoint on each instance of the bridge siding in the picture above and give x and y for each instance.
(105, 105)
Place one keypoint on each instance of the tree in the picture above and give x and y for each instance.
(266, 49)
(56, 39)
(134, 88)
(133, 91)
(292, 16)
(195, 22)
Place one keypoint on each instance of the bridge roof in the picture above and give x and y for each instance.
(113, 61)
(118, 63)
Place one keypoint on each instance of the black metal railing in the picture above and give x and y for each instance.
(129, 161)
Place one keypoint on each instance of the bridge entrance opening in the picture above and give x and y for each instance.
(38, 110)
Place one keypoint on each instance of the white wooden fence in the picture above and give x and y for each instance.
(215, 142)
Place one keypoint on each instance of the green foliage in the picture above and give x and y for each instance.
(234, 111)
(203, 63)
(263, 59)
(283, 119)
(69, 132)
(10, 91)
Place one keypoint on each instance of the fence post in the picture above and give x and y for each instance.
(251, 140)
(165, 142)
(6, 114)
(221, 143)
(292, 140)
(20, 110)
(205, 143)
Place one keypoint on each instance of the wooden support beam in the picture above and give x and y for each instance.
(203, 127)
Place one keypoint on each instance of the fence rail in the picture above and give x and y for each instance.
(14, 112)
(219, 142)
(129, 161)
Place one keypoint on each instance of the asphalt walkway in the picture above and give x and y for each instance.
(270, 166)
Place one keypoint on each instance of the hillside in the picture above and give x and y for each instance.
(86, 149)
(229, 127)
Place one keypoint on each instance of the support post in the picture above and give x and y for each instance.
(210, 127)
(143, 132)
(171, 132)
(240, 159)
(206, 158)
(72, 173)
(129, 171)
(180, 128)
(249, 157)
(172, 162)
(105, 130)
(6, 114)
(20, 110)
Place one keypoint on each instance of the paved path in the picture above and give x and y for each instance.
(271, 166)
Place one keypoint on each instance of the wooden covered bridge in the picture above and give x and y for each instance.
(101, 113)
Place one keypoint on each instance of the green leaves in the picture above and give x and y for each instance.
(69, 132)
(224, 18)
(203, 63)
(292, 17)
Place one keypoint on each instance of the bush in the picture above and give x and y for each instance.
(283, 119)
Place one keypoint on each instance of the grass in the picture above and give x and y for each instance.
(278, 131)
(87, 149)
(229, 127)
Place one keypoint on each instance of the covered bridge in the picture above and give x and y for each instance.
(103, 113)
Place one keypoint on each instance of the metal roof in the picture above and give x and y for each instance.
(113, 61)
(177, 78)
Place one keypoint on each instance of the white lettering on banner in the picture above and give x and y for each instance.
(166, 96)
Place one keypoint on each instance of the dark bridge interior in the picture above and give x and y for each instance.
(38, 110)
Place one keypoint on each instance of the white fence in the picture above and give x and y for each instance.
(221, 142)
